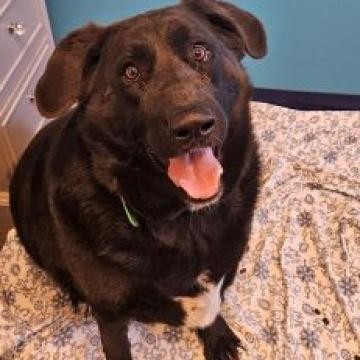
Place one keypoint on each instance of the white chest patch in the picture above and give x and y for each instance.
(202, 310)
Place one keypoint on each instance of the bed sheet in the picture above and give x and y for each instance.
(297, 291)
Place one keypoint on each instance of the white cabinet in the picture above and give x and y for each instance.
(25, 45)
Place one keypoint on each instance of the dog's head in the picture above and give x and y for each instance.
(167, 83)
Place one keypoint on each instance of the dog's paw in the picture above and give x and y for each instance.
(202, 309)
(223, 349)
(220, 343)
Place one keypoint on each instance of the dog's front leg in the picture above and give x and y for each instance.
(151, 305)
(203, 313)
(113, 331)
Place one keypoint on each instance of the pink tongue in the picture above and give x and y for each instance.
(197, 172)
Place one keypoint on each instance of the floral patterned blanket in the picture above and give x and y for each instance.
(297, 292)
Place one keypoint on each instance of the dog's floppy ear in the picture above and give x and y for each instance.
(241, 31)
(60, 86)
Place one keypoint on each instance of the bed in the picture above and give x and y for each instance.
(297, 291)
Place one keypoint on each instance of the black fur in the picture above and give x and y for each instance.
(67, 188)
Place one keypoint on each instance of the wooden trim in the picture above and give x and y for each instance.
(307, 100)
(5, 157)
(4, 199)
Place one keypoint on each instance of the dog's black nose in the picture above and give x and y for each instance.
(193, 128)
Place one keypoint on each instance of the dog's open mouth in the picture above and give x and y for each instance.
(197, 172)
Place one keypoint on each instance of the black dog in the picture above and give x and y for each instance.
(138, 199)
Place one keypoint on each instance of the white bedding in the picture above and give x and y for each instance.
(297, 292)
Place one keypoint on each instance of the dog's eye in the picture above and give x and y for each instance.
(132, 73)
(200, 53)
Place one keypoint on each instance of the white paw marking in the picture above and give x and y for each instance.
(202, 310)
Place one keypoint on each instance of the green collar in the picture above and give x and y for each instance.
(132, 219)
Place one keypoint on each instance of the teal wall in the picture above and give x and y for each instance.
(314, 45)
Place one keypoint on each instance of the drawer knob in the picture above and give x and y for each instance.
(31, 98)
(17, 28)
